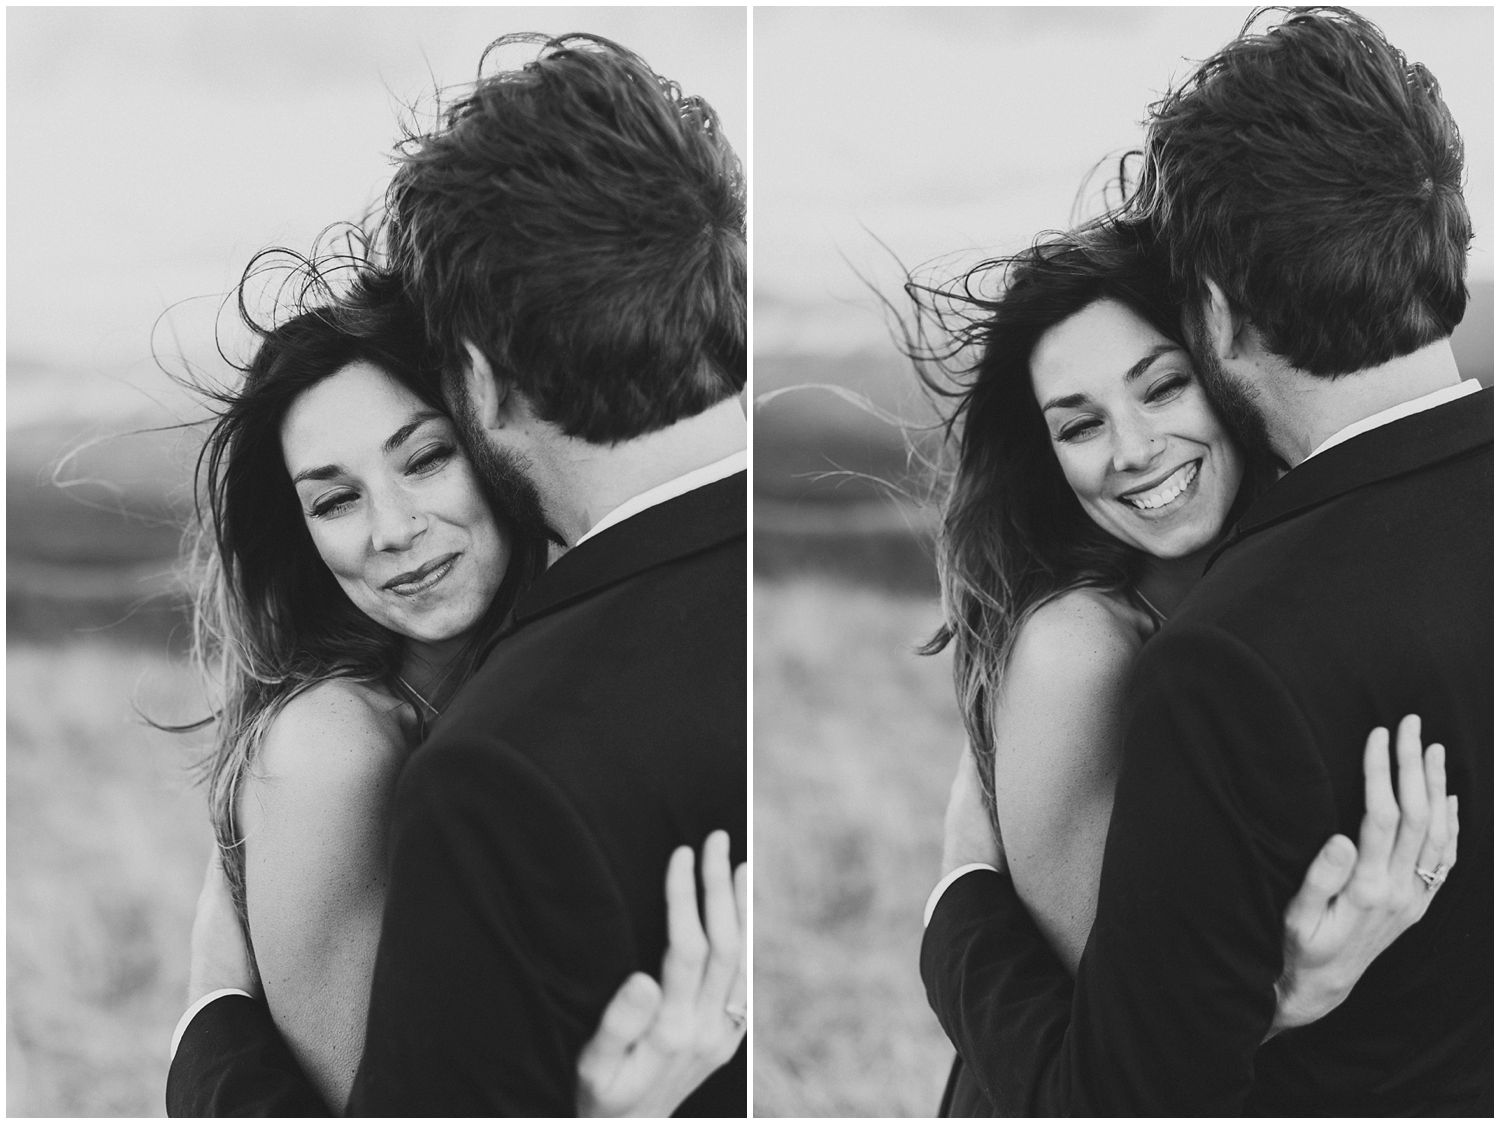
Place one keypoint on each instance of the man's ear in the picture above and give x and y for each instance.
(1224, 326)
(487, 395)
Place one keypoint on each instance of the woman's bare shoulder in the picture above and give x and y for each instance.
(1056, 725)
(338, 726)
(328, 759)
(1083, 634)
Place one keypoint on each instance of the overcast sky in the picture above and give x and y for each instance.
(942, 130)
(152, 151)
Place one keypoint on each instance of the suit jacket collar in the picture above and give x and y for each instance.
(676, 528)
(1392, 450)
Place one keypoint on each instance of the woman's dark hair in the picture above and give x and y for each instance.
(269, 619)
(1013, 535)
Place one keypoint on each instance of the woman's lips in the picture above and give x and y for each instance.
(1165, 492)
(423, 578)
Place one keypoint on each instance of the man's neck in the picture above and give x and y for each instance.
(1302, 411)
(582, 482)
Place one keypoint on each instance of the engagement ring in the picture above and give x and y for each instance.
(1433, 878)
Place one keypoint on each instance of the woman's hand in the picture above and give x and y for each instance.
(656, 1044)
(1353, 904)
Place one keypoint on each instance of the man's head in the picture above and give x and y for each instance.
(581, 223)
(1316, 177)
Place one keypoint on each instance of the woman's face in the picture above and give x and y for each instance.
(1133, 431)
(392, 504)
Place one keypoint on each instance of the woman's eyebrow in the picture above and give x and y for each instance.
(322, 472)
(397, 439)
(1066, 402)
(1143, 364)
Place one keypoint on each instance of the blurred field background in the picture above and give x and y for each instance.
(935, 136)
(151, 152)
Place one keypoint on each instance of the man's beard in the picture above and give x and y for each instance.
(504, 475)
(1232, 400)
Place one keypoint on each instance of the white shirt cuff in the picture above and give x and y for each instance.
(948, 879)
(182, 1023)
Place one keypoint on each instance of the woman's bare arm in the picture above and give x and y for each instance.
(1057, 750)
(314, 815)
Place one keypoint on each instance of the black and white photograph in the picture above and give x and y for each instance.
(750, 561)
(1123, 596)
(376, 474)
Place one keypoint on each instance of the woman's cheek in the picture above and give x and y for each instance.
(469, 496)
(1081, 470)
(333, 546)
(1195, 416)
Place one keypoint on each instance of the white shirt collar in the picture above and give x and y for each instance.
(671, 489)
(1400, 410)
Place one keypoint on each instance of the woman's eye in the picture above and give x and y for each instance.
(1168, 387)
(333, 504)
(434, 456)
(1078, 430)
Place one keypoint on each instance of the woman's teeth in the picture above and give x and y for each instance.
(1167, 491)
(428, 579)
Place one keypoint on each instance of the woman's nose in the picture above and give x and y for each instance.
(1136, 447)
(396, 525)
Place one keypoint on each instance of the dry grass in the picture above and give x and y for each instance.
(855, 741)
(106, 842)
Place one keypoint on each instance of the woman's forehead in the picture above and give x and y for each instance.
(1102, 345)
(353, 413)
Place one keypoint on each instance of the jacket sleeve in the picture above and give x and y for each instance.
(232, 1062)
(1222, 803)
(493, 968)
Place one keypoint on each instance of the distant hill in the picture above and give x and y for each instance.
(93, 530)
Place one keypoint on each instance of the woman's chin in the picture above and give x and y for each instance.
(1179, 534)
(438, 630)
(1183, 544)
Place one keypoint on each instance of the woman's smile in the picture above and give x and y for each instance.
(423, 578)
(1160, 499)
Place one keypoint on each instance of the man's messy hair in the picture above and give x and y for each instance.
(1316, 176)
(581, 222)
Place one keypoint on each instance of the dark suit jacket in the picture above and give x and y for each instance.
(530, 837)
(1357, 590)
